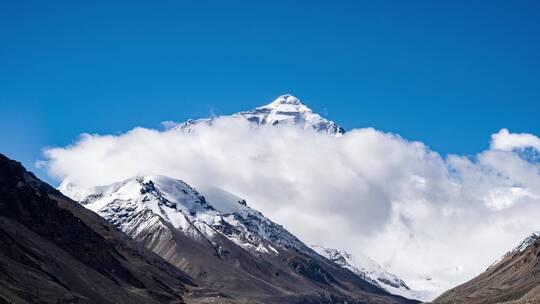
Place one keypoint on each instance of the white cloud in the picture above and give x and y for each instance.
(507, 141)
(367, 191)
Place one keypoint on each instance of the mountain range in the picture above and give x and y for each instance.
(220, 241)
(157, 239)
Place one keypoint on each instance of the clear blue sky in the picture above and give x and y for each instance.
(448, 73)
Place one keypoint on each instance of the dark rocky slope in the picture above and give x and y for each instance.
(52, 250)
(290, 277)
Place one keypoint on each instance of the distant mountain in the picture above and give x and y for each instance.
(223, 243)
(285, 110)
(515, 278)
(54, 251)
(372, 272)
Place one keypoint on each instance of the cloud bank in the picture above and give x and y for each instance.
(435, 221)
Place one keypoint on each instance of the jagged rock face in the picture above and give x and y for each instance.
(222, 242)
(515, 279)
(54, 251)
(285, 110)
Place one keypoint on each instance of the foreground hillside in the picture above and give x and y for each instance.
(54, 251)
(514, 279)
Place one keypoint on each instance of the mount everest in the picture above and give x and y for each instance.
(285, 110)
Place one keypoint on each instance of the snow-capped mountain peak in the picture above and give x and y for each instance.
(285, 110)
(289, 110)
(163, 190)
(136, 204)
(285, 99)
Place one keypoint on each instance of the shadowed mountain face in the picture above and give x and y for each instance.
(514, 279)
(52, 250)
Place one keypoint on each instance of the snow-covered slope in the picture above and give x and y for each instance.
(526, 242)
(285, 110)
(136, 204)
(368, 269)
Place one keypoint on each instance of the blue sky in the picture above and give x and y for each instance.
(448, 74)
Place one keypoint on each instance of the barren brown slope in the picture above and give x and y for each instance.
(290, 277)
(54, 251)
(515, 279)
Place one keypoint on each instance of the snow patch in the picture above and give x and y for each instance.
(369, 270)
